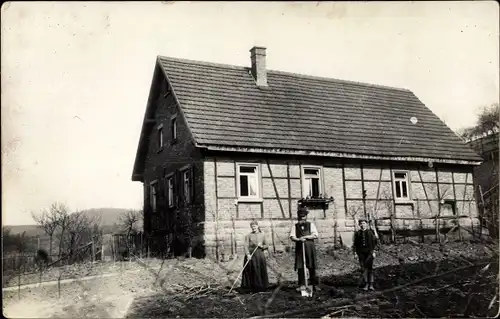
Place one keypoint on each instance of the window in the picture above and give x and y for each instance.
(153, 190)
(187, 185)
(160, 137)
(166, 90)
(311, 182)
(248, 181)
(170, 191)
(173, 128)
(448, 208)
(401, 183)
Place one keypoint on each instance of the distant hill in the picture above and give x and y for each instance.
(31, 230)
(108, 218)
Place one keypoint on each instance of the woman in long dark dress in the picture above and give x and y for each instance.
(255, 276)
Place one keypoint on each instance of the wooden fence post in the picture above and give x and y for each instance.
(93, 251)
(335, 227)
(19, 283)
(141, 244)
(483, 211)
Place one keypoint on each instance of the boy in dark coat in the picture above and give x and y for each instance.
(365, 243)
(303, 233)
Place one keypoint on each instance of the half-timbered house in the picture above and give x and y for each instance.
(222, 144)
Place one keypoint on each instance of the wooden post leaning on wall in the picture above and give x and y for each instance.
(425, 192)
(279, 202)
(438, 215)
(421, 223)
(483, 209)
(392, 208)
(463, 205)
(335, 226)
(457, 219)
(374, 214)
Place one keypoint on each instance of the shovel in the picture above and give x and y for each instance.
(307, 292)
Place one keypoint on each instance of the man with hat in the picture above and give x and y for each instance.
(303, 233)
(365, 243)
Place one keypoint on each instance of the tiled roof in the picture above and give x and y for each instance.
(223, 106)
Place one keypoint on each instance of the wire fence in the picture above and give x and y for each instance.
(27, 263)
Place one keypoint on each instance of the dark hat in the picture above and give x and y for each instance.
(302, 211)
(362, 219)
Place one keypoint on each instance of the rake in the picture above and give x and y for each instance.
(243, 268)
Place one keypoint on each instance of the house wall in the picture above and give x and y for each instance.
(428, 188)
(159, 164)
(228, 220)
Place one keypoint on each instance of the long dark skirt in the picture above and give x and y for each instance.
(311, 262)
(255, 274)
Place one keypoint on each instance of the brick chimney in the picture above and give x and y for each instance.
(259, 72)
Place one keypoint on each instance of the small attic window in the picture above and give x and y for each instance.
(173, 128)
(165, 88)
(159, 136)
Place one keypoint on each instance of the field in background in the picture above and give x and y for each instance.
(109, 217)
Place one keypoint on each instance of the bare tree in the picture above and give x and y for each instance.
(442, 196)
(48, 221)
(187, 230)
(7, 240)
(389, 204)
(130, 221)
(62, 217)
(488, 120)
(352, 212)
(14, 243)
(79, 230)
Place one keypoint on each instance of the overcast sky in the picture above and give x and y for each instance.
(76, 76)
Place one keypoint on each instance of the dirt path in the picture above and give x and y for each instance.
(103, 296)
(55, 282)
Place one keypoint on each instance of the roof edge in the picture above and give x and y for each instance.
(336, 154)
(140, 146)
(286, 73)
(162, 67)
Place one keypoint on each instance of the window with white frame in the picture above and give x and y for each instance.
(248, 181)
(401, 185)
(170, 191)
(160, 137)
(311, 182)
(187, 185)
(153, 193)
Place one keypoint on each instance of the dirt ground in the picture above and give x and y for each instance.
(199, 288)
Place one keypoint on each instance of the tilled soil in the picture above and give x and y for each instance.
(445, 296)
(198, 288)
(457, 294)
